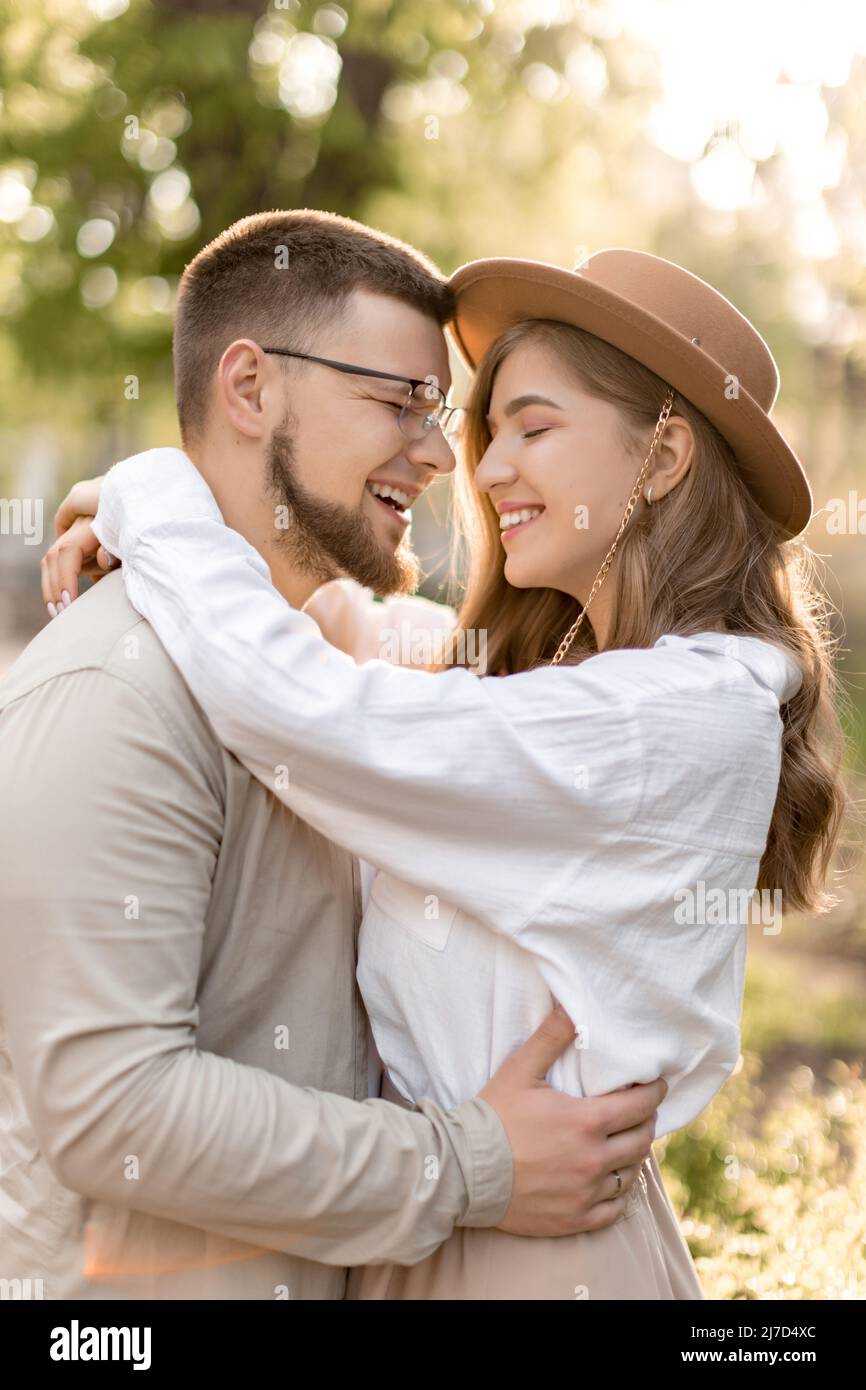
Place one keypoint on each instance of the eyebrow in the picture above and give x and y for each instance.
(520, 401)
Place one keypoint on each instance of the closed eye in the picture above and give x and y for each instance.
(530, 434)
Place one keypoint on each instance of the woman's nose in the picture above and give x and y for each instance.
(494, 469)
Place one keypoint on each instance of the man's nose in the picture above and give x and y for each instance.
(433, 450)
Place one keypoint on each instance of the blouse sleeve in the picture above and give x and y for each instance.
(520, 800)
(487, 792)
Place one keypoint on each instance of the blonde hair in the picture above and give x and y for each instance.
(705, 557)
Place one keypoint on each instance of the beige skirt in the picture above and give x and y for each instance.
(643, 1255)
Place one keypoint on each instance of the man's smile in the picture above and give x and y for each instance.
(394, 498)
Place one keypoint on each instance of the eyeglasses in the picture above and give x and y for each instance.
(423, 409)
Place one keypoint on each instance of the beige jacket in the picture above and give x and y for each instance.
(183, 1049)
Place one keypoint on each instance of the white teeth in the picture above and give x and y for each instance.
(383, 490)
(515, 518)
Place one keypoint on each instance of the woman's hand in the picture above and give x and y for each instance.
(76, 550)
(82, 499)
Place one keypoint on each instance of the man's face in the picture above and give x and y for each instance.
(338, 443)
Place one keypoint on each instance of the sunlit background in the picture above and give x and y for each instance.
(728, 137)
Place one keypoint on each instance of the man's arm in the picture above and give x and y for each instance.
(110, 839)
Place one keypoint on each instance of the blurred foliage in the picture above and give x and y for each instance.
(134, 132)
(166, 123)
(772, 1194)
(770, 1179)
(172, 119)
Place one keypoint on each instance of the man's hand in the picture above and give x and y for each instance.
(76, 550)
(565, 1149)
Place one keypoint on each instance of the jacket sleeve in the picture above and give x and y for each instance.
(110, 839)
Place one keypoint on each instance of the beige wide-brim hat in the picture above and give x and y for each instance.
(672, 321)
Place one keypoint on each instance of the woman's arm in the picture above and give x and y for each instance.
(486, 792)
(514, 799)
(76, 550)
(407, 631)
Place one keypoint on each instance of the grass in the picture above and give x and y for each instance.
(770, 1180)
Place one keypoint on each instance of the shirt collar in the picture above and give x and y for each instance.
(770, 664)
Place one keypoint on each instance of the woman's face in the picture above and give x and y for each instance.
(557, 459)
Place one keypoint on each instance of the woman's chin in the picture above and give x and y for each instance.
(516, 580)
(521, 573)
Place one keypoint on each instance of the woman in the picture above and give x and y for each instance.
(648, 742)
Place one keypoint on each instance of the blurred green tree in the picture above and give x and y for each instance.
(133, 134)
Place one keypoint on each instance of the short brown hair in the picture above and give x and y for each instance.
(241, 285)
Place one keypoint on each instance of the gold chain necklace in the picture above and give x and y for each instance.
(632, 502)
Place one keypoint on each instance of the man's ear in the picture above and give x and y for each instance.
(243, 387)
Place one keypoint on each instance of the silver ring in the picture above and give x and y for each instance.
(618, 1182)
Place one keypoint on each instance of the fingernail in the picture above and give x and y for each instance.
(65, 596)
(51, 609)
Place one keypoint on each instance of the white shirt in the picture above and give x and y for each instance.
(560, 832)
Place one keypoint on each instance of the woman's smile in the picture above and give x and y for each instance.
(516, 516)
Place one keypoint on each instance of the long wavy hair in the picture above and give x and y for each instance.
(704, 557)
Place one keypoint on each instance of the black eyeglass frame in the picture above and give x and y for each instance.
(445, 411)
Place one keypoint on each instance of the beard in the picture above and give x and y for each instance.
(328, 540)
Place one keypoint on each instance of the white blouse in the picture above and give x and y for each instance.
(587, 832)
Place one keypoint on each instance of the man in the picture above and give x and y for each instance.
(184, 1050)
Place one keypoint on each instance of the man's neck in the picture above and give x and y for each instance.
(296, 584)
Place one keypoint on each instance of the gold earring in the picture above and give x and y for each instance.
(649, 495)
